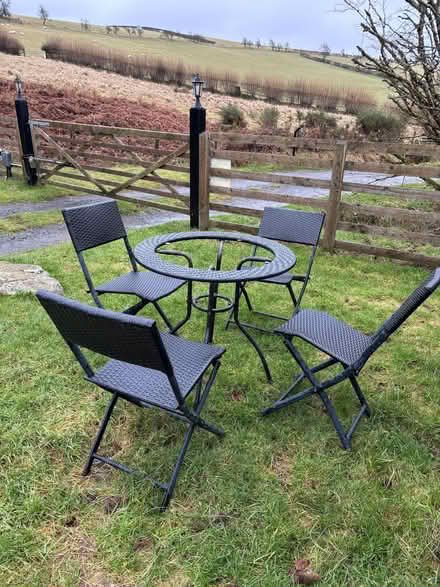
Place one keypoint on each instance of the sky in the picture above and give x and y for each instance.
(304, 24)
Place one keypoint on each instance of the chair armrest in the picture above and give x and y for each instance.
(179, 254)
(253, 259)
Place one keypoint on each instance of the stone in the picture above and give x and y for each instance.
(21, 278)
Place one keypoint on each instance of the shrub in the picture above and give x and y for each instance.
(381, 124)
(10, 45)
(232, 115)
(323, 124)
(269, 117)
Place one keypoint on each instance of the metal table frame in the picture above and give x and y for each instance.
(148, 254)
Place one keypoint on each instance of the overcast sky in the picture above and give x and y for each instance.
(303, 23)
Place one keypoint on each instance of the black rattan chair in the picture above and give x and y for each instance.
(345, 345)
(147, 367)
(98, 224)
(292, 226)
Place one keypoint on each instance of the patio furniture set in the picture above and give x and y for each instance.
(152, 368)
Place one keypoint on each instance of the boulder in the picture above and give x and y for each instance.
(20, 278)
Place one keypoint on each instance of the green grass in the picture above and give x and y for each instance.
(17, 190)
(224, 56)
(246, 507)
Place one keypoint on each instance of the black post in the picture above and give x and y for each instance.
(27, 147)
(197, 125)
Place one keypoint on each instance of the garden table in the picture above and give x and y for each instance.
(149, 254)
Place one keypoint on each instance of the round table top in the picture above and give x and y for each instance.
(147, 256)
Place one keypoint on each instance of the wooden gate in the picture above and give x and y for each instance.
(139, 161)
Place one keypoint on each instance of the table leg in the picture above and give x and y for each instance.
(246, 333)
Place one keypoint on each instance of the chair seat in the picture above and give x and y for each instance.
(147, 285)
(282, 279)
(189, 360)
(334, 337)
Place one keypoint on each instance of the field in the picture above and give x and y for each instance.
(224, 56)
(272, 492)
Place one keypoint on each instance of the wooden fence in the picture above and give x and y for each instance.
(408, 226)
(111, 161)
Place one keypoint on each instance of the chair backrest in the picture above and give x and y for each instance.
(412, 302)
(294, 226)
(93, 225)
(115, 335)
(410, 305)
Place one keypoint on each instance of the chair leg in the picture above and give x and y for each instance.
(163, 316)
(172, 483)
(99, 436)
(320, 389)
(188, 310)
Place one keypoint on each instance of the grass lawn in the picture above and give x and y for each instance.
(246, 507)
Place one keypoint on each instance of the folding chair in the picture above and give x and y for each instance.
(345, 345)
(147, 368)
(292, 226)
(98, 224)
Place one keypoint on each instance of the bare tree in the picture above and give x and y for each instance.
(5, 8)
(279, 47)
(272, 44)
(43, 14)
(244, 42)
(140, 31)
(286, 46)
(115, 29)
(406, 52)
(108, 29)
(85, 25)
(258, 43)
(128, 29)
(325, 49)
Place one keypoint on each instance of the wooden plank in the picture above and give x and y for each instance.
(149, 169)
(398, 213)
(236, 210)
(286, 142)
(95, 129)
(150, 204)
(233, 226)
(395, 233)
(149, 191)
(204, 168)
(402, 193)
(121, 173)
(112, 159)
(424, 149)
(391, 169)
(330, 144)
(76, 188)
(259, 195)
(334, 199)
(412, 258)
(109, 145)
(70, 159)
(271, 178)
(261, 157)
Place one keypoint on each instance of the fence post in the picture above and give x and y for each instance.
(197, 125)
(334, 198)
(204, 174)
(24, 131)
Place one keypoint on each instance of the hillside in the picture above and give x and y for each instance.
(223, 56)
(103, 85)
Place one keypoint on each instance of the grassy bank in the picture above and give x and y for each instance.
(272, 491)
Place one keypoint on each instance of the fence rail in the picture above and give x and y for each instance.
(397, 224)
(73, 151)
